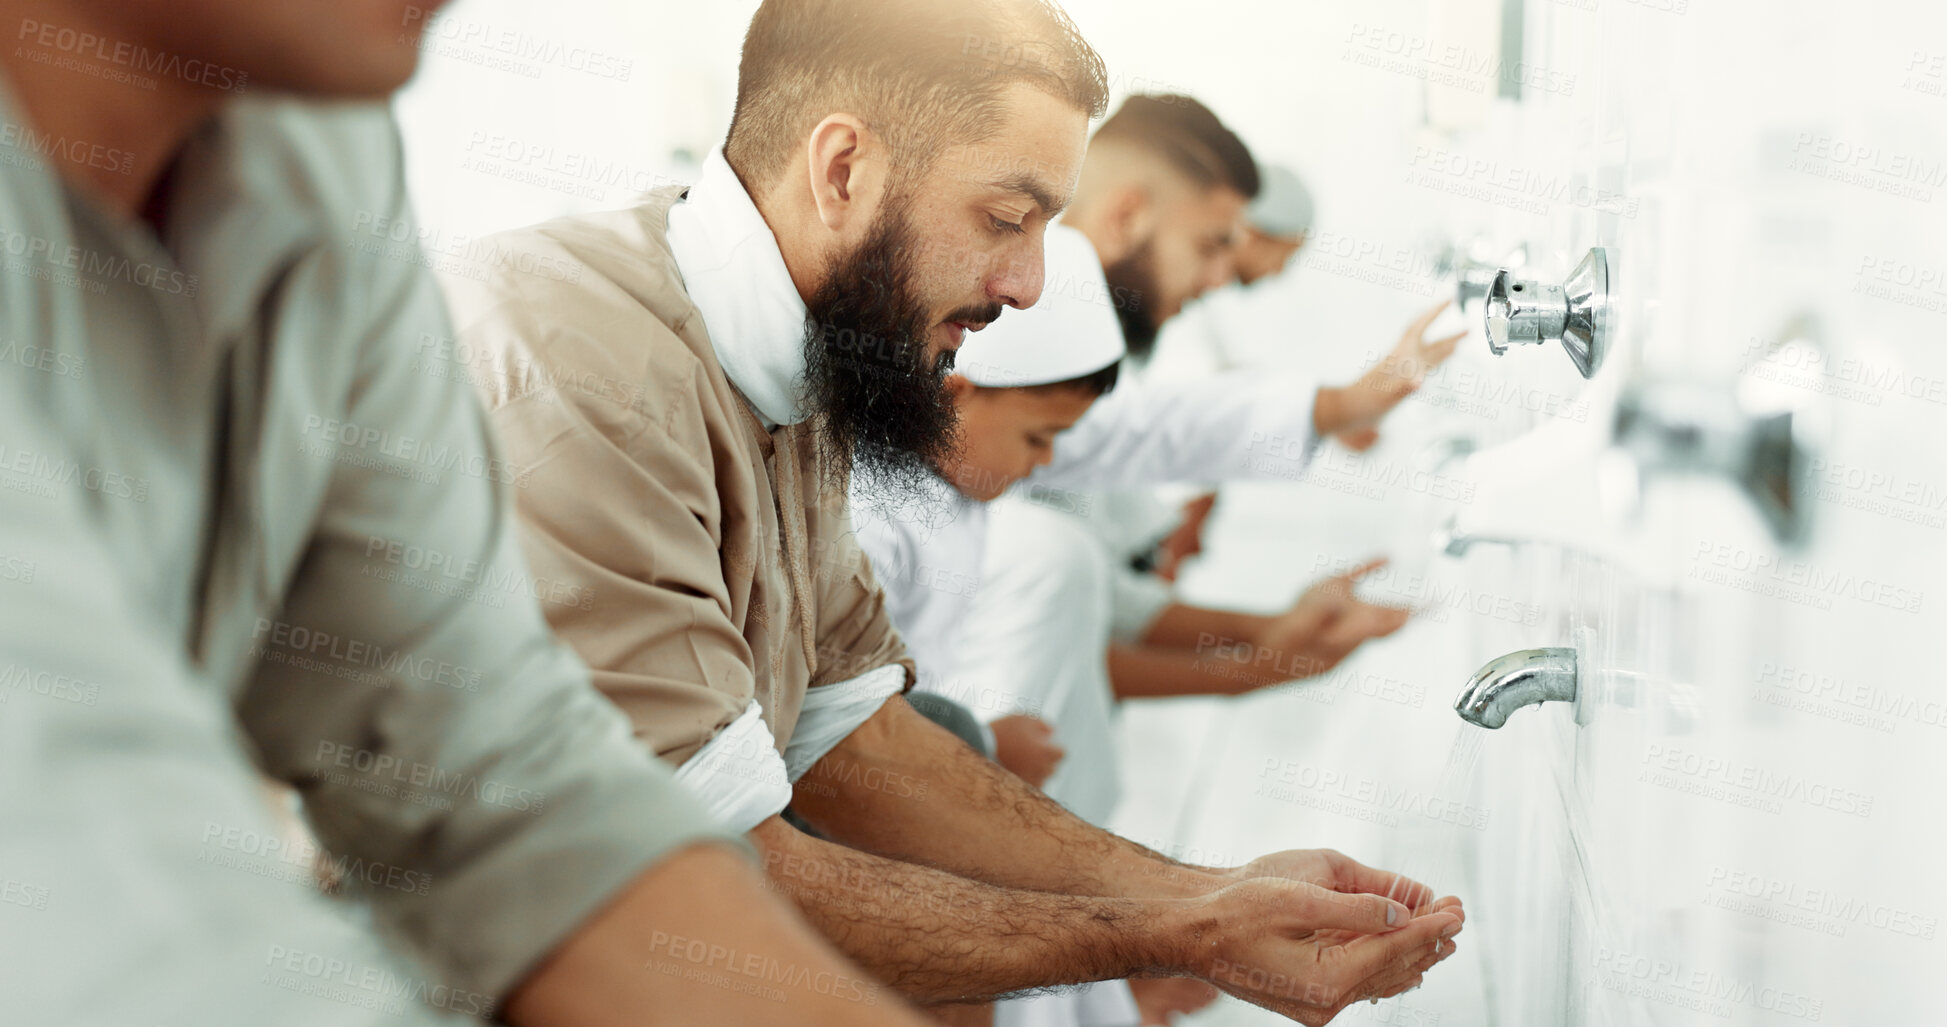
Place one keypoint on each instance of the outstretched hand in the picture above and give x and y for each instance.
(1354, 412)
(1328, 622)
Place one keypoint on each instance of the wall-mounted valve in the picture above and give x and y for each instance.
(1472, 273)
(1574, 313)
(1673, 428)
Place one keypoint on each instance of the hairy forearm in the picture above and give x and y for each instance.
(937, 937)
(1181, 626)
(904, 788)
(659, 953)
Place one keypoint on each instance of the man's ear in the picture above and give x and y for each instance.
(848, 170)
(1128, 220)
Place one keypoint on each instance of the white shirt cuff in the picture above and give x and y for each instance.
(739, 776)
(833, 711)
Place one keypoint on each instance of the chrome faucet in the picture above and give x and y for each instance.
(1518, 679)
(1450, 540)
(1574, 313)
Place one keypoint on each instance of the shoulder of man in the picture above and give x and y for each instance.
(590, 309)
(345, 159)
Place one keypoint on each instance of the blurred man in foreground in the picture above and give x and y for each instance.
(248, 534)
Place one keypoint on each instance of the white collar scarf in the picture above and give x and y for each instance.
(735, 275)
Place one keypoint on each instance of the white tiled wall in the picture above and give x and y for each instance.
(1743, 828)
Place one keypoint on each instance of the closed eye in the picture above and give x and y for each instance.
(1009, 227)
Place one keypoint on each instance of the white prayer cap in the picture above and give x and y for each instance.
(1283, 208)
(1072, 332)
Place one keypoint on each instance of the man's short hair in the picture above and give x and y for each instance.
(1188, 137)
(924, 74)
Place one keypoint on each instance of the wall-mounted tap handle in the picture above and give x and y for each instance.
(1523, 313)
(1574, 313)
(1674, 428)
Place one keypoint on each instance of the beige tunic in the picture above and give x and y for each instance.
(709, 561)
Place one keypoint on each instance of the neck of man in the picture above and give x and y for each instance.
(793, 219)
(147, 127)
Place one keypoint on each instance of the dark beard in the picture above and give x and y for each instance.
(1132, 281)
(878, 404)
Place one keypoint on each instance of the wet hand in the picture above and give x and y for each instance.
(1328, 622)
(1306, 951)
(1334, 870)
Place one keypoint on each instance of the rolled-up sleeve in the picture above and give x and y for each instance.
(469, 748)
(140, 868)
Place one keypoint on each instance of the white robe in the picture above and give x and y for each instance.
(1018, 620)
(930, 550)
(929, 555)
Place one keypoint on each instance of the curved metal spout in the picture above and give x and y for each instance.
(1518, 679)
(1453, 541)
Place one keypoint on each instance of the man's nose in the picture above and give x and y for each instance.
(1020, 278)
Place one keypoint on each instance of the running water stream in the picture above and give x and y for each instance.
(1435, 851)
(1433, 856)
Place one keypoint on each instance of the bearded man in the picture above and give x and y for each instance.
(683, 387)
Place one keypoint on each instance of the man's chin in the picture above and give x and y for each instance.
(993, 490)
(973, 485)
(945, 338)
(940, 356)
